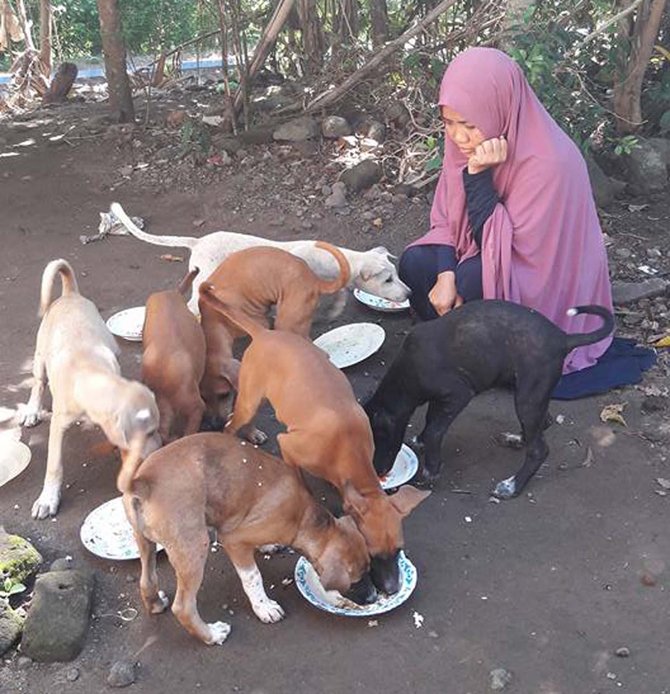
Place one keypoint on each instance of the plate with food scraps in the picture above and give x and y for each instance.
(309, 585)
(128, 323)
(107, 533)
(404, 468)
(352, 343)
(14, 459)
(378, 303)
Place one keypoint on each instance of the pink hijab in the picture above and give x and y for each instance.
(542, 246)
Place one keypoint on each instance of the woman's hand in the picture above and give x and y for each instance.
(443, 296)
(489, 153)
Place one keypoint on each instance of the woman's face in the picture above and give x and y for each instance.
(463, 134)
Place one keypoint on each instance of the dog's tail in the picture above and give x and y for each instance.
(174, 241)
(68, 280)
(234, 315)
(130, 461)
(342, 280)
(578, 339)
(187, 282)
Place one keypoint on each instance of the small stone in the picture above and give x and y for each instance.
(326, 190)
(623, 252)
(23, 662)
(648, 580)
(622, 652)
(500, 678)
(131, 578)
(61, 564)
(333, 127)
(121, 674)
(72, 674)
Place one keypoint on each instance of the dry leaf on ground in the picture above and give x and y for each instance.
(612, 413)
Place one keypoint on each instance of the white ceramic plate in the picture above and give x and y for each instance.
(380, 304)
(331, 601)
(404, 468)
(14, 459)
(107, 532)
(350, 344)
(128, 323)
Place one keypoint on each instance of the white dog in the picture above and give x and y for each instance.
(372, 271)
(77, 354)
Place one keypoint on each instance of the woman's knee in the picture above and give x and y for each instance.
(414, 266)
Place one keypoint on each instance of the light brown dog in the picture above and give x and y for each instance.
(77, 354)
(173, 362)
(328, 433)
(252, 281)
(251, 499)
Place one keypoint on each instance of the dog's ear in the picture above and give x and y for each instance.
(407, 498)
(333, 575)
(354, 504)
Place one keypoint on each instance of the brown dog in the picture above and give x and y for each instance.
(252, 499)
(328, 433)
(173, 362)
(252, 281)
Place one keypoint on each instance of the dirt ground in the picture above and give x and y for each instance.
(547, 586)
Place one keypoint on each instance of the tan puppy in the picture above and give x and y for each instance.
(251, 499)
(252, 281)
(328, 433)
(173, 361)
(77, 354)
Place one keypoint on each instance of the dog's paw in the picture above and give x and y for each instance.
(256, 436)
(506, 489)
(269, 611)
(29, 417)
(159, 603)
(218, 633)
(46, 504)
(510, 440)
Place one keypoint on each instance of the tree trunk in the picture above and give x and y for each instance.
(61, 84)
(45, 36)
(10, 29)
(114, 50)
(639, 32)
(312, 36)
(379, 22)
(348, 24)
(26, 25)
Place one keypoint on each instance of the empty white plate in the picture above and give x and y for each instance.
(107, 532)
(404, 468)
(14, 459)
(352, 343)
(309, 585)
(128, 323)
(379, 303)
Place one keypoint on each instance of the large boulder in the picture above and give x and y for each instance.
(628, 292)
(18, 558)
(647, 168)
(298, 129)
(10, 627)
(56, 626)
(365, 174)
(604, 188)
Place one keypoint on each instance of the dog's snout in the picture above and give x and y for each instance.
(385, 573)
(362, 592)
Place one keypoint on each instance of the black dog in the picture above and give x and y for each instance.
(447, 361)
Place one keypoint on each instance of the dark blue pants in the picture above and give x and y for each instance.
(418, 270)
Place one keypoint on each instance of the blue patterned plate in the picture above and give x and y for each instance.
(404, 468)
(331, 601)
(379, 303)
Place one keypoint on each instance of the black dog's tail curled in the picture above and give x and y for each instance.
(578, 339)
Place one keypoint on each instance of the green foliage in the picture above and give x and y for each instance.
(625, 145)
(195, 139)
(10, 587)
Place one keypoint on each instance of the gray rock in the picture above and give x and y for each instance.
(398, 114)
(372, 129)
(18, 558)
(627, 292)
(56, 626)
(121, 674)
(10, 627)
(62, 564)
(500, 678)
(23, 662)
(647, 170)
(333, 127)
(72, 674)
(336, 199)
(362, 176)
(662, 146)
(604, 189)
(297, 130)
